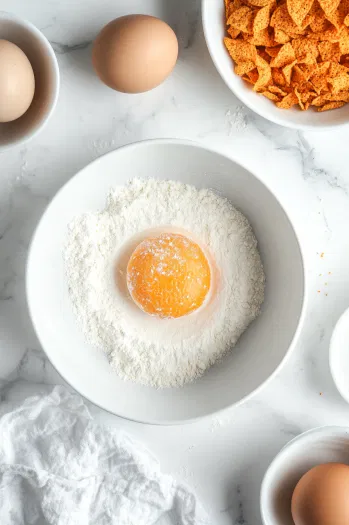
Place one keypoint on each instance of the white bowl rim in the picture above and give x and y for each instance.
(332, 351)
(303, 436)
(5, 15)
(255, 108)
(175, 141)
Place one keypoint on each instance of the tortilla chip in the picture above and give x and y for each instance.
(319, 22)
(298, 10)
(239, 50)
(261, 20)
(329, 51)
(288, 101)
(344, 42)
(328, 6)
(277, 91)
(308, 60)
(303, 47)
(242, 19)
(300, 102)
(281, 37)
(244, 67)
(309, 70)
(271, 96)
(264, 73)
(323, 67)
(278, 77)
(262, 53)
(285, 56)
(340, 83)
(319, 100)
(281, 20)
(287, 71)
(336, 70)
(341, 96)
(272, 51)
(307, 20)
(260, 3)
(331, 35)
(331, 105)
(233, 32)
(262, 38)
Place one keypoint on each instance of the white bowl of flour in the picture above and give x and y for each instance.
(74, 317)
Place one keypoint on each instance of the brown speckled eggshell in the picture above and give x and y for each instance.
(135, 53)
(321, 497)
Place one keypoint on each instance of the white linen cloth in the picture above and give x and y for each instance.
(57, 467)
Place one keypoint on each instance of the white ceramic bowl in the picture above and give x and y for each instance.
(339, 355)
(259, 352)
(214, 29)
(320, 445)
(45, 67)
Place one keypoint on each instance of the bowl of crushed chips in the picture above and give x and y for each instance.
(288, 60)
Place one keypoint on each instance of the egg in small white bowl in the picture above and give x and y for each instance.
(24, 44)
(213, 18)
(323, 445)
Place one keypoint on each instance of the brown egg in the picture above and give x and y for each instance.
(321, 497)
(17, 82)
(135, 53)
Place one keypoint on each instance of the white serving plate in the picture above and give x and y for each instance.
(258, 354)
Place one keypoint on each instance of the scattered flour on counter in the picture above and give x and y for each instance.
(236, 119)
(143, 348)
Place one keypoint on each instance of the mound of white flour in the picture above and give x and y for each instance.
(142, 348)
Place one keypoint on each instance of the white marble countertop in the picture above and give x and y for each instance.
(223, 458)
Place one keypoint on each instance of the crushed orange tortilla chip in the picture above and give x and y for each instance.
(233, 32)
(272, 51)
(304, 47)
(262, 38)
(288, 101)
(331, 105)
(329, 51)
(259, 3)
(328, 6)
(239, 50)
(298, 9)
(281, 20)
(264, 72)
(244, 67)
(261, 20)
(285, 56)
(242, 19)
(339, 83)
(277, 91)
(344, 42)
(281, 37)
(271, 96)
(287, 71)
(293, 52)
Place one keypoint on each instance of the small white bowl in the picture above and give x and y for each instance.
(339, 355)
(320, 445)
(214, 29)
(44, 63)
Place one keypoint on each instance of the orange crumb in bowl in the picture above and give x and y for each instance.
(168, 275)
